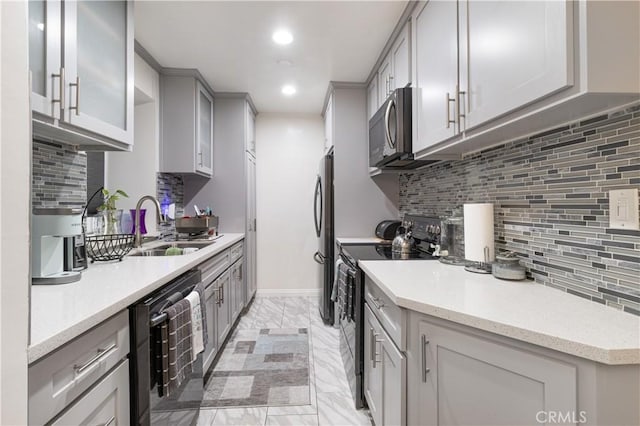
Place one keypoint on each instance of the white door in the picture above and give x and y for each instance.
(98, 61)
(45, 55)
(401, 59)
(518, 52)
(436, 73)
(394, 373)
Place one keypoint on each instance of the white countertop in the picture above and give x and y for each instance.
(522, 310)
(60, 313)
(360, 240)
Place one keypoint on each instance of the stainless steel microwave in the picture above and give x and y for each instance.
(390, 137)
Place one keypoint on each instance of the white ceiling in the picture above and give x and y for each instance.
(229, 42)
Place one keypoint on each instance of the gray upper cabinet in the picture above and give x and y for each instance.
(491, 71)
(395, 71)
(384, 374)
(187, 126)
(80, 94)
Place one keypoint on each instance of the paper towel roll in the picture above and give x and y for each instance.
(478, 232)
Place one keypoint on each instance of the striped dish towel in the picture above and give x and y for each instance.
(205, 337)
(161, 351)
(180, 352)
(197, 340)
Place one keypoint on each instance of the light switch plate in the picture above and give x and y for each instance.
(623, 209)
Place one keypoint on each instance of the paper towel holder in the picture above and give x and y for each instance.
(480, 267)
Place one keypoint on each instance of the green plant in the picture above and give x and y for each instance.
(109, 199)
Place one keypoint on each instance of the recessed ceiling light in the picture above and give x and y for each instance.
(288, 90)
(282, 36)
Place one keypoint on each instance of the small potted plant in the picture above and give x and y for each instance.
(112, 216)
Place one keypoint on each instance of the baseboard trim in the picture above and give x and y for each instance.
(275, 292)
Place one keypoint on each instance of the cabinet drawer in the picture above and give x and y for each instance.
(236, 252)
(106, 404)
(390, 315)
(64, 375)
(212, 268)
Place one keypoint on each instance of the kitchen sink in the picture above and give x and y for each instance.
(161, 250)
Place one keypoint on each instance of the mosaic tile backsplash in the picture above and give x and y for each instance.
(551, 205)
(170, 189)
(59, 177)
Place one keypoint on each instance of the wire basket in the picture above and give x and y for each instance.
(108, 247)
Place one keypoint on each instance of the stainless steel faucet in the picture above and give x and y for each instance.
(138, 238)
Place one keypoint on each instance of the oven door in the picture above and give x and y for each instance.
(351, 327)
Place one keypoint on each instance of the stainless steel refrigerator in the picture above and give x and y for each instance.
(323, 218)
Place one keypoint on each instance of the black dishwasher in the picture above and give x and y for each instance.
(182, 406)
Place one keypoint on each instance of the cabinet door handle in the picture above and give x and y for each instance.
(200, 158)
(100, 353)
(448, 101)
(390, 87)
(374, 352)
(459, 114)
(77, 86)
(60, 88)
(110, 421)
(222, 293)
(423, 343)
(372, 340)
(378, 306)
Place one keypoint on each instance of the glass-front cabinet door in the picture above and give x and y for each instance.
(98, 57)
(47, 76)
(204, 131)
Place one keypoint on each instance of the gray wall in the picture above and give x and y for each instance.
(225, 191)
(360, 201)
(550, 193)
(59, 177)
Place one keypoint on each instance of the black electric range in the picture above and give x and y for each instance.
(380, 251)
(426, 231)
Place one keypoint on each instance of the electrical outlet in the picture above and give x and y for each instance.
(623, 209)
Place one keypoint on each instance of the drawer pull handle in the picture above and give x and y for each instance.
(424, 342)
(100, 353)
(375, 301)
(111, 420)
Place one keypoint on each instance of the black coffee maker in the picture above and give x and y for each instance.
(75, 253)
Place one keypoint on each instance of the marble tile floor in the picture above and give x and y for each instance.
(331, 401)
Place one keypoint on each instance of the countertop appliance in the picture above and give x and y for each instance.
(49, 229)
(387, 229)
(182, 406)
(427, 233)
(75, 253)
(324, 226)
(390, 137)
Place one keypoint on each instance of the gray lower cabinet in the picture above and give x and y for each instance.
(459, 379)
(384, 374)
(223, 309)
(210, 304)
(106, 404)
(85, 381)
(237, 301)
(222, 279)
